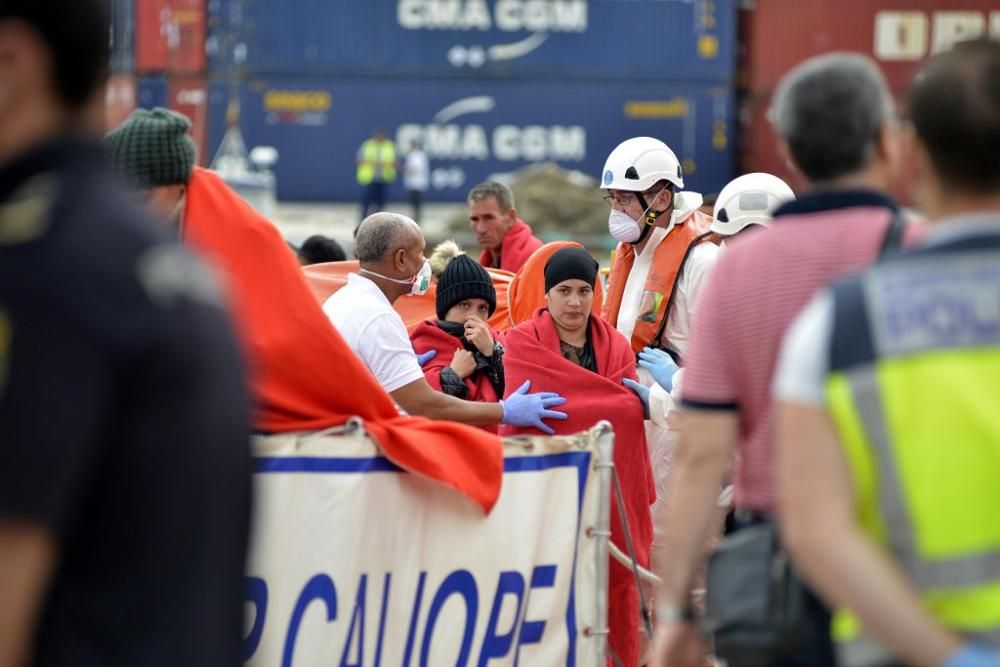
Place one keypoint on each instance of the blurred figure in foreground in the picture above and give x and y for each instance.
(889, 405)
(835, 118)
(124, 420)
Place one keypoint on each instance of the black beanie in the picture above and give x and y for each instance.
(570, 264)
(464, 278)
(153, 148)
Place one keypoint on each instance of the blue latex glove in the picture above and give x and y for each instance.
(524, 409)
(422, 359)
(642, 391)
(660, 365)
(972, 655)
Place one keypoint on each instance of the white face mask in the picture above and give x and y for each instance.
(623, 228)
(419, 283)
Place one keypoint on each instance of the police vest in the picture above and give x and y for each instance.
(374, 155)
(914, 391)
(660, 289)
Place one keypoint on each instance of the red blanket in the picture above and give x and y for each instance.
(533, 353)
(304, 376)
(428, 336)
(518, 244)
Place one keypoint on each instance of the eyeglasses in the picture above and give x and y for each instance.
(623, 199)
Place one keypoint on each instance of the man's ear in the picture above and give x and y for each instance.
(511, 216)
(662, 200)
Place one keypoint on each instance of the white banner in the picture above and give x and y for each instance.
(354, 562)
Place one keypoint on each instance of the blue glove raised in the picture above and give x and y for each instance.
(660, 365)
(642, 391)
(972, 655)
(422, 359)
(524, 409)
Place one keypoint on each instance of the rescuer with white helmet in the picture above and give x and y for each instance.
(660, 265)
(748, 200)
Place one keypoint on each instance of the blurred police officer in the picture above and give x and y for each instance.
(889, 405)
(124, 469)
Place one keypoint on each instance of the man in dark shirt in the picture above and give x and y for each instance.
(124, 463)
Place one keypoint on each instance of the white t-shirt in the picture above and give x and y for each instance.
(417, 171)
(365, 318)
(804, 360)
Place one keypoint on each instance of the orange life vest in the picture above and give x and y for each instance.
(661, 283)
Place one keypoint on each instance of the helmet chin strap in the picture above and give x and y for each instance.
(650, 217)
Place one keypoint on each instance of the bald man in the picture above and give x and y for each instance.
(390, 249)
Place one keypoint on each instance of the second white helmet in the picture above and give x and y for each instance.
(639, 163)
(750, 199)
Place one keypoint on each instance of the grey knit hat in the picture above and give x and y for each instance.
(153, 148)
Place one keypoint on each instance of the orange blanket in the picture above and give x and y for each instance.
(304, 376)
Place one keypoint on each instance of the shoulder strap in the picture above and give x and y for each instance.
(893, 239)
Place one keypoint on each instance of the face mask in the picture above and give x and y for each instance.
(623, 228)
(419, 284)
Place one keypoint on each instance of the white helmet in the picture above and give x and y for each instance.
(639, 163)
(749, 200)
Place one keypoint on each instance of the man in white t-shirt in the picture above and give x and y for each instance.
(416, 177)
(390, 249)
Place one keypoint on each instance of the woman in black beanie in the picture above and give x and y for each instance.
(469, 360)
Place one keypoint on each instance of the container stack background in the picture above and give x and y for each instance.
(487, 86)
(490, 86)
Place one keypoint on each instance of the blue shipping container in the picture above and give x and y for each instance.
(152, 91)
(690, 40)
(122, 36)
(473, 130)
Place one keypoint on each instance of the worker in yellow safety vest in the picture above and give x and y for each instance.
(376, 160)
(889, 405)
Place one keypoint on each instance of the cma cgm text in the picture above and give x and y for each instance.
(507, 15)
(508, 143)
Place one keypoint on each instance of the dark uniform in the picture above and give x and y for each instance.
(123, 422)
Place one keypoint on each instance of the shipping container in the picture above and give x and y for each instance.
(690, 40)
(151, 91)
(170, 36)
(898, 34)
(185, 94)
(122, 36)
(473, 130)
(119, 99)
(189, 96)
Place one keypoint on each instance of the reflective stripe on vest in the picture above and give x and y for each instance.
(915, 395)
(661, 283)
(373, 154)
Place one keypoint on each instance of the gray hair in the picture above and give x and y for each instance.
(379, 235)
(830, 110)
(499, 191)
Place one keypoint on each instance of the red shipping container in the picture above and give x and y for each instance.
(759, 148)
(119, 99)
(189, 96)
(170, 36)
(898, 34)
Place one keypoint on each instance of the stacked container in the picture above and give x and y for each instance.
(171, 62)
(898, 34)
(120, 93)
(487, 86)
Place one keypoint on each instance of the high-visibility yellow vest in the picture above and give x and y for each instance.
(375, 155)
(914, 391)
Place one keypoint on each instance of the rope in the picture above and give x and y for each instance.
(624, 560)
(619, 498)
